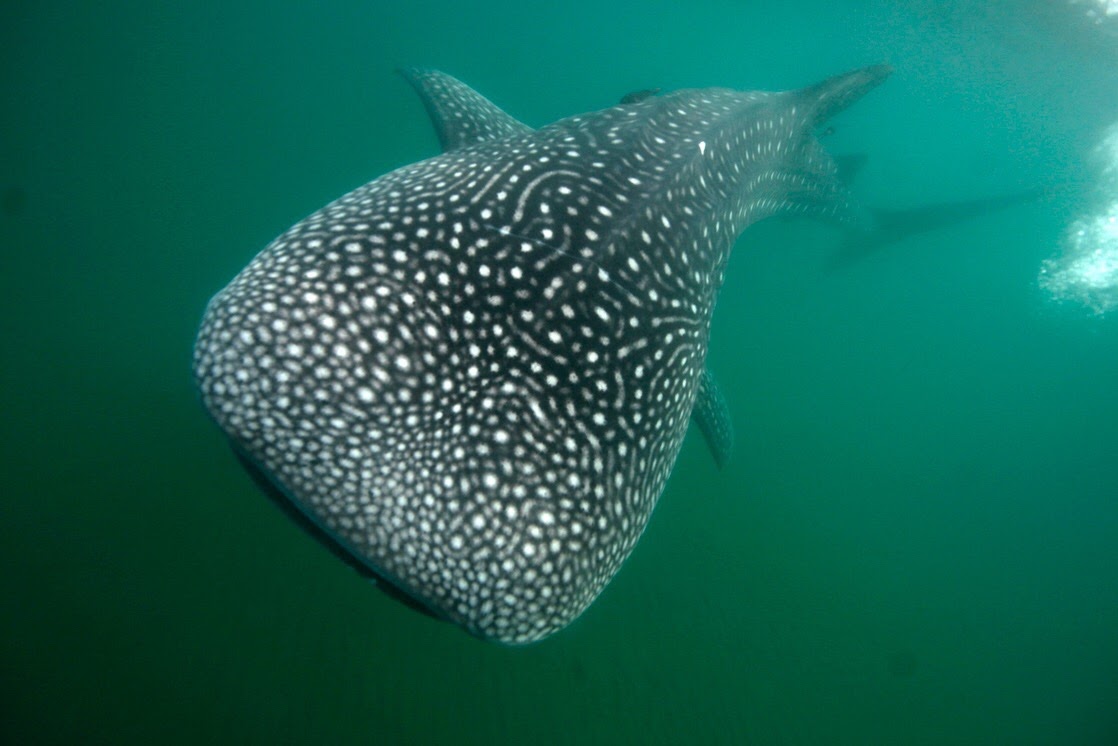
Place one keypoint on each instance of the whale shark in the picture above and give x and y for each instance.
(471, 377)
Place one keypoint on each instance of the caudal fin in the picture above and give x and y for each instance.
(835, 94)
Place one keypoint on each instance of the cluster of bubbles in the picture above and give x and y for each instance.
(1086, 270)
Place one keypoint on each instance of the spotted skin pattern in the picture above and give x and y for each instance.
(462, 116)
(475, 372)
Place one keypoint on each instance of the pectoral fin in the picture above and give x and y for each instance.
(712, 415)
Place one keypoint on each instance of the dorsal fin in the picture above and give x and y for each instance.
(635, 97)
(461, 115)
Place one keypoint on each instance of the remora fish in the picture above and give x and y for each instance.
(471, 377)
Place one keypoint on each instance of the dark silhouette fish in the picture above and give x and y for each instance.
(887, 226)
(472, 376)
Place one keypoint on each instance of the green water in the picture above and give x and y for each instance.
(917, 540)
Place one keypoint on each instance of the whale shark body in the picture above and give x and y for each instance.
(472, 376)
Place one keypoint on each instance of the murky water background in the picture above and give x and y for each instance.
(916, 540)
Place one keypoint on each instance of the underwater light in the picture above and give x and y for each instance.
(1099, 10)
(1086, 270)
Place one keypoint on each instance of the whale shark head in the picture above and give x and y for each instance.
(473, 375)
